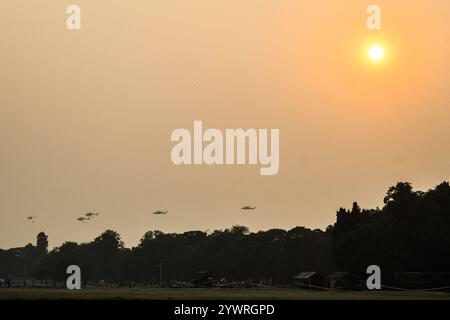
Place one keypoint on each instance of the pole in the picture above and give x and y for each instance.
(160, 274)
(24, 265)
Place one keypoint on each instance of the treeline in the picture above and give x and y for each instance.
(233, 254)
(410, 233)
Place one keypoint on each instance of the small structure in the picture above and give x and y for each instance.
(309, 280)
(344, 280)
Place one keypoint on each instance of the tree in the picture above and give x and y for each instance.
(42, 242)
(410, 233)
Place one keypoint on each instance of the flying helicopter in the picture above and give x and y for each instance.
(160, 212)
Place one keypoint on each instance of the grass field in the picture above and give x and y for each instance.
(207, 294)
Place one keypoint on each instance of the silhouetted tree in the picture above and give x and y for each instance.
(410, 233)
(42, 242)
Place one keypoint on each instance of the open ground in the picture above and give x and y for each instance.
(209, 294)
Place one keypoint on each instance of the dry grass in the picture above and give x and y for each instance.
(206, 294)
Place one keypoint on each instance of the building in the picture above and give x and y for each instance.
(344, 280)
(309, 280)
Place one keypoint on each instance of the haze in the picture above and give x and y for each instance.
(86, 116)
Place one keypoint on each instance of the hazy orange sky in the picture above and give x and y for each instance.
(86, 116)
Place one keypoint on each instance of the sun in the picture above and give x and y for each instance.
(376, 52)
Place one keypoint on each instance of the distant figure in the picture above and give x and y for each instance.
(248, 208)
(160, 212)
(82, 219)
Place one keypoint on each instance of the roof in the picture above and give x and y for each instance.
(306, 275)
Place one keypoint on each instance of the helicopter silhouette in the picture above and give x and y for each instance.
(32, 218)
(91, 214)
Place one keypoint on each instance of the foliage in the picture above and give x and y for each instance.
(410, 233)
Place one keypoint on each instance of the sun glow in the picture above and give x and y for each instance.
(376, 53)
